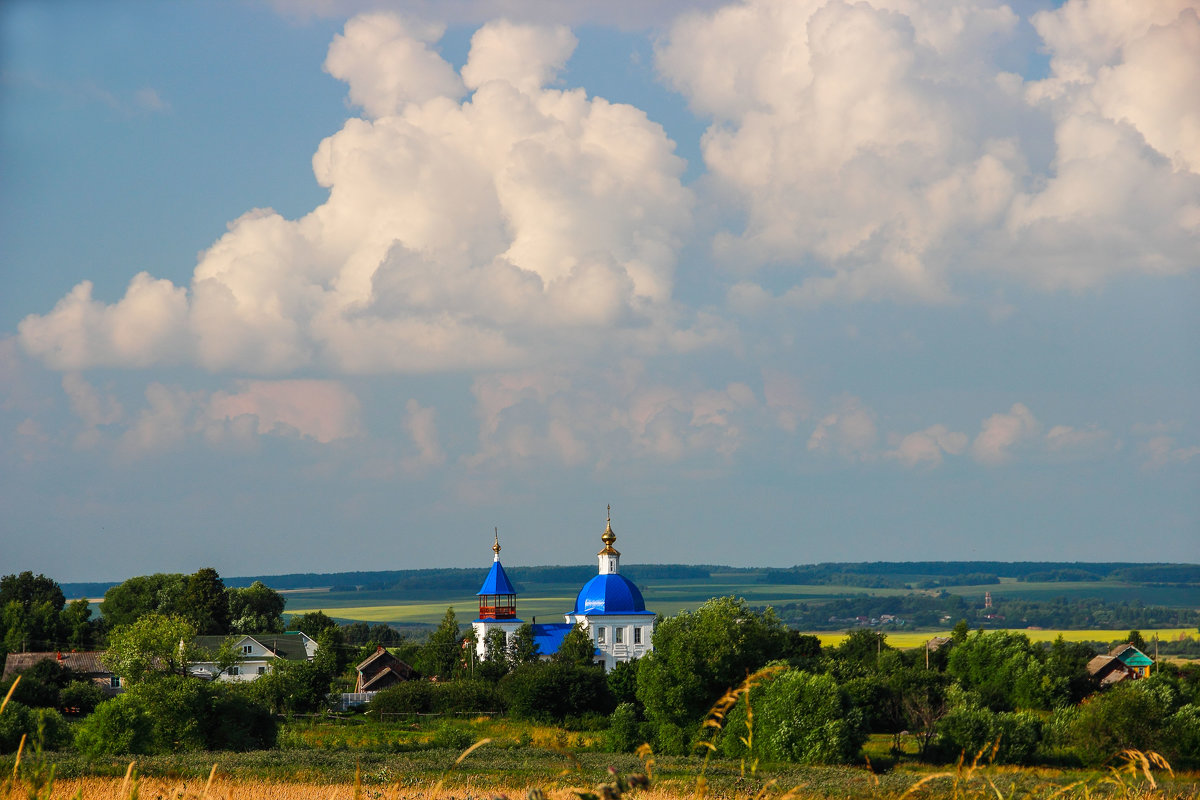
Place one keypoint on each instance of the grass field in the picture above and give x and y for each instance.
(493, 770)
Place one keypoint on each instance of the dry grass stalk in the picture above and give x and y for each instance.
(8, 696)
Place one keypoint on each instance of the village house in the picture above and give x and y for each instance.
(84, 664)
(380, 670)
(258, 652)
(1123, 662)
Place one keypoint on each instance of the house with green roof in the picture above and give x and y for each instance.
(1123, 662)
(259, 652)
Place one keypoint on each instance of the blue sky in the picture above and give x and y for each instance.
(343, 285)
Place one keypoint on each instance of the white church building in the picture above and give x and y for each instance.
(609, 607)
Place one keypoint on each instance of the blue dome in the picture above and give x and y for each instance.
(610, 594)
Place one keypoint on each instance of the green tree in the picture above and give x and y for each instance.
(30, 590)
(523, 649)
(441, 656)
(622, 682)
(153, 644)
(576, 648)
(30, 612)
(207, 602)
(862, 649)
(161, 593)
(1066, 671)
(698, 655)
(1135, 639)
(798, 717)
(924, 699)
(255, 609)
(1004, 668)
(78, 624)
(311, 623)
(551, 692)
(495, 664)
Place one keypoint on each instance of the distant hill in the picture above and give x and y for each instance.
(846, 573)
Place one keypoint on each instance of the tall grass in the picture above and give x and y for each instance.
(1133, 775)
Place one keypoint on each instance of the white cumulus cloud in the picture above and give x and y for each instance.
(849, 431)
(879, 149)
(925, 448)
(459, 232)
(320, 410)
(1003, 432)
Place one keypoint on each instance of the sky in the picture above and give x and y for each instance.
(344, 285)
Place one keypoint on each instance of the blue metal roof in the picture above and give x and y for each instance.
(549, 636)
(610, 594)
(496, 582)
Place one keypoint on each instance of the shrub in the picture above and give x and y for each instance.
(174, 713)
(16, 721)
(44, 724)
(1184, 736)
(238, 722)
(969, 730)
(965, 731)
(81, 697)
(424, 697)
(798, 717)
(623, 735)
(121, 725)
(411, 697)
(452, 737)
(550, 692)
(1123, 718)
(1020, 736)
(670, 740)
(466, 696)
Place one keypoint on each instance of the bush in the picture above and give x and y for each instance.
(424, 697)
(623, 735)
(971, 730)
(15, 722)
(80, 697)
(451, 737)
(37, 724)
(1020, 737)
(1184, 736)
(121, 725)
(965, 731)
(798, 717)
(550, 692)
(174, 713)
(238, 722)
(1123, 718)
(411, 697)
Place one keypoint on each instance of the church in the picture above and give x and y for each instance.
(609, 607)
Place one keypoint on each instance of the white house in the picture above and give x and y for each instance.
(259, 652)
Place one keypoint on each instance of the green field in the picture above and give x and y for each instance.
(549, 601)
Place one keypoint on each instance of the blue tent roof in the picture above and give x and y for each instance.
(496, 582)
(610, 594)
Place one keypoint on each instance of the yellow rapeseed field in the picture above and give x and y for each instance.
(907, 639)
